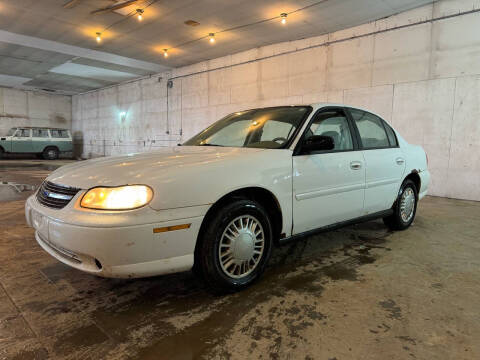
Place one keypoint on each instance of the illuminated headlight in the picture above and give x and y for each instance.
(117, 198)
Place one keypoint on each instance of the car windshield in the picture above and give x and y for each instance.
(269, 128)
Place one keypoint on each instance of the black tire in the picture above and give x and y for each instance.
(50, 153)
(396, 221)
(207, 262)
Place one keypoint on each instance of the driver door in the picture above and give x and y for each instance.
(328, 186)
(22, 141)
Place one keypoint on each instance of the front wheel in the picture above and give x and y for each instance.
(236, 246)
(405, 207)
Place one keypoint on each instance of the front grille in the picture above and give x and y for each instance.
(54, 195)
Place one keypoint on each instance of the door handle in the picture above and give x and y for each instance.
(355, 165)
(400, 161)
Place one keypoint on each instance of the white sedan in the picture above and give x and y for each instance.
(219, 202)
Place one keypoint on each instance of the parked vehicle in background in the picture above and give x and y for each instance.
(45, 142)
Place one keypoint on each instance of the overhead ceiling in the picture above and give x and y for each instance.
(47, 45)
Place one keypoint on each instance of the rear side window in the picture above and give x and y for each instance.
(391, 135)
(40, 133)
(59, 133)
(370, 127)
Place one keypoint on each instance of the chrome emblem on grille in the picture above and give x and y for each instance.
(57, 196)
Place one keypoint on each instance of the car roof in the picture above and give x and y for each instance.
(38, 127)
(326, 104)
(316, 106)
(320, 105)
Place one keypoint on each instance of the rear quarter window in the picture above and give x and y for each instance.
(59, 133)
(391, 135)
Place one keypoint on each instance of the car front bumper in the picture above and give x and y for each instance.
(115, 250)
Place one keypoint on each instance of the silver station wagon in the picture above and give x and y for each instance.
(45, 142)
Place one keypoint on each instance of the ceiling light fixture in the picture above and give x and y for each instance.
(212, 38)
(140, 14)
(99, 37)
(165, 53)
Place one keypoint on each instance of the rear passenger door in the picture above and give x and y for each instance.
(384, 160)
(40, 140)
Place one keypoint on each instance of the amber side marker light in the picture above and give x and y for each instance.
(171, 228)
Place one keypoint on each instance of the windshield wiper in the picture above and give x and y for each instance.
(209, 145)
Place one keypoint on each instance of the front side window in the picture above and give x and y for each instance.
(40, 133)
(332, 123)
(22, 133)
(370, 127)
(11, 132)
(269, 128)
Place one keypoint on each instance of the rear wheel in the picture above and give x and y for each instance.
(405, 207)
(50, 153)
(235, 247)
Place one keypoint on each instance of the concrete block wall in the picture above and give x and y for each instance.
(29, 108)
(421, 73)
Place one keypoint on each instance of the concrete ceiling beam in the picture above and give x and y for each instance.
(77, 51)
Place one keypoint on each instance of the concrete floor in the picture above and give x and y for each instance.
(357, 293)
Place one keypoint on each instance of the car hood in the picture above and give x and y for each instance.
(143, 168)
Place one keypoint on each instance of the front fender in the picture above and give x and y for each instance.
(205, 185)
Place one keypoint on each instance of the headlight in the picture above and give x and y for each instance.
(117, 198)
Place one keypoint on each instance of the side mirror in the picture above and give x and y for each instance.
(319, 143)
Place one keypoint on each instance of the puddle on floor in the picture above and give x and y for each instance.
(303, 268)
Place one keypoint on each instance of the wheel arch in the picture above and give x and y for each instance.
(50, 147)
(415, 177)
(263, 196)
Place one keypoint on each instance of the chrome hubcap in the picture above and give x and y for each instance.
(241, 246)
(407, 204)
(51, 153)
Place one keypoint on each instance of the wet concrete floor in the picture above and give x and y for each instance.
(356, 293)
